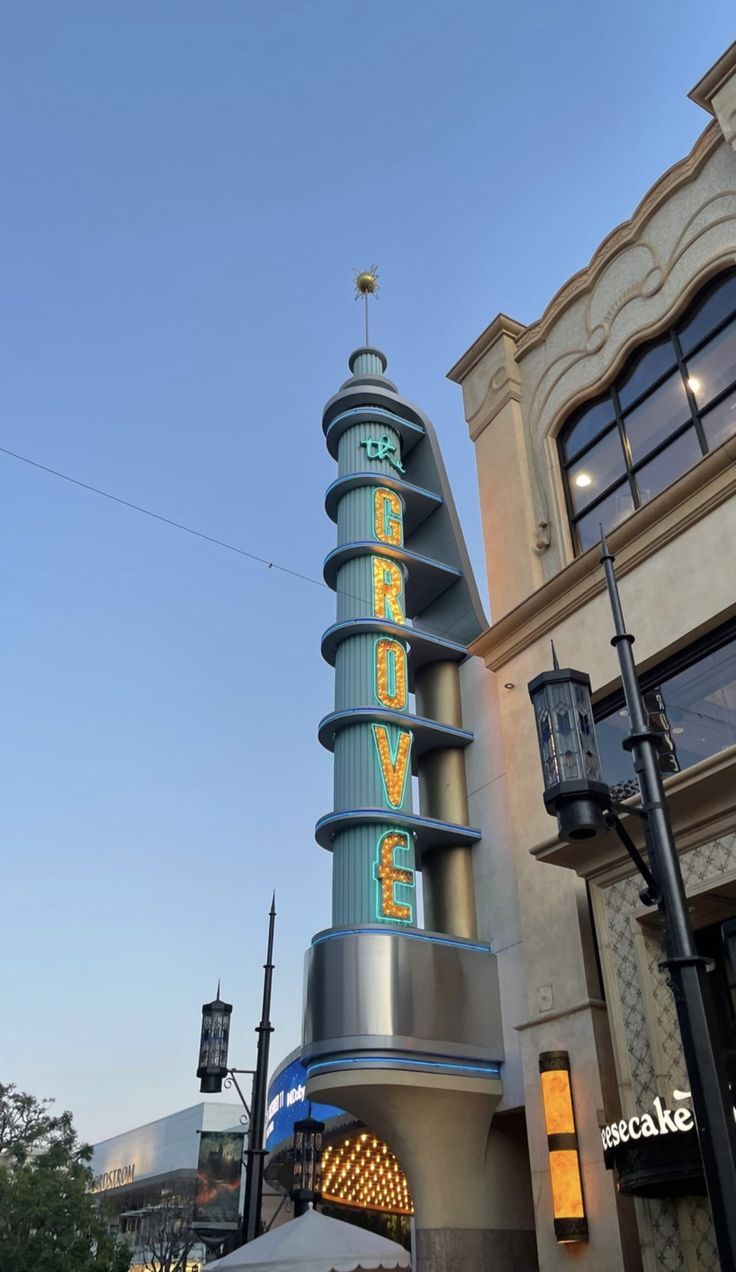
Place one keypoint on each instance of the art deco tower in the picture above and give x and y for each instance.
(402, 1024)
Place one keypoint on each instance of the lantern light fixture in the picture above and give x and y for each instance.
(562, 1145)
(307, 1151)
(213, 1045)
(574, 789)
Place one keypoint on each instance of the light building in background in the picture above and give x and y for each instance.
(174, 1184)
(617, 406)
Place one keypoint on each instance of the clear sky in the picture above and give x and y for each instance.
(187, 186)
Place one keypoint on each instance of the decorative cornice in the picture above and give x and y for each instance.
(703, 488)
(502, 325)
(714, 79)
(626, 234)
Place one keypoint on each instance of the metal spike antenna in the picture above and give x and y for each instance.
(256, 1152)
(366, 284)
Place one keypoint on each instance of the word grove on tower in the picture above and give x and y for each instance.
(386, 1001)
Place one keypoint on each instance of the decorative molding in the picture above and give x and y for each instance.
(703, 488)
(634, 292)
(501, 325)
(625, 234)
(716, 93)
(488, 374)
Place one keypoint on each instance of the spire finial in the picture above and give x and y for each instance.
(366, 284)
(217, 995)
(555, 663)
(606, 554)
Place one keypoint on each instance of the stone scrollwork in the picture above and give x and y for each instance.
(684, 230)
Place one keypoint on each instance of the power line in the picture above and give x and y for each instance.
(200, 534)
(157, 516)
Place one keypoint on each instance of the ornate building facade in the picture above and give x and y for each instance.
(618, 407)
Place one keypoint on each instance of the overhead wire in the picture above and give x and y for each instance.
(201, 534)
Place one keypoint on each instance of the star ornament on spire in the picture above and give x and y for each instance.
(366, 285)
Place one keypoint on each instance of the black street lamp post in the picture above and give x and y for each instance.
(573, 793)
(213, 1071)
(256, 1152)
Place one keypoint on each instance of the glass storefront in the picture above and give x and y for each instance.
(691, 703)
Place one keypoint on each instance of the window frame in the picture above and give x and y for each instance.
(661, 672)
(627, 478)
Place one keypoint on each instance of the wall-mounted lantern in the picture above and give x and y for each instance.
(213, 1044)
(574, 789)
(307, 1181)
(562, 1144)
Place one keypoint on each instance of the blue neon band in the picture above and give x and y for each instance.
(408, 936)
(366, 1062)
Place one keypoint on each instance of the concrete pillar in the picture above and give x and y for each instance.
(447, 873)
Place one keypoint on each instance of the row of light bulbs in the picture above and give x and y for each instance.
(364, 1172)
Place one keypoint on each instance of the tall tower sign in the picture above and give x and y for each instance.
(401, 1021)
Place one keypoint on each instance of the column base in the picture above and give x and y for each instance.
(475, 1250)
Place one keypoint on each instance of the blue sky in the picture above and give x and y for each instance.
(188, 185)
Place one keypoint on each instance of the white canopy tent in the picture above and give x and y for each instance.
(314, 1243)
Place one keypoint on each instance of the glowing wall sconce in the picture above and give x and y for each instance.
(562, 1144)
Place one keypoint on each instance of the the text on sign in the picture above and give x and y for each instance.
(389, 875)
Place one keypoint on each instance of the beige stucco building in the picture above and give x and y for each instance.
(617, 405)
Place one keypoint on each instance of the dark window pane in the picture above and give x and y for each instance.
(670, 464)
(701, 706)
(714, 368)
(694, 709)
(657, 416)
(587, 426)
(644, 369)
(720, 423)
(609, 512)
(716, 305)
(611, 733)
(597, 470)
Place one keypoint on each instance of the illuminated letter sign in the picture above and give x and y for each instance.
(663, 1122)
(387, 516)
(388, 874)
(388, 589)
(391, 673)
(394, 762)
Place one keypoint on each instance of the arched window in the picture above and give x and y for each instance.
(674, 401)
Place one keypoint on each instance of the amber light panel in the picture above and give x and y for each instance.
(557, 1100)
(568, 1206)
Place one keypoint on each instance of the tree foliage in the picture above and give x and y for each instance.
(48, 1218)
